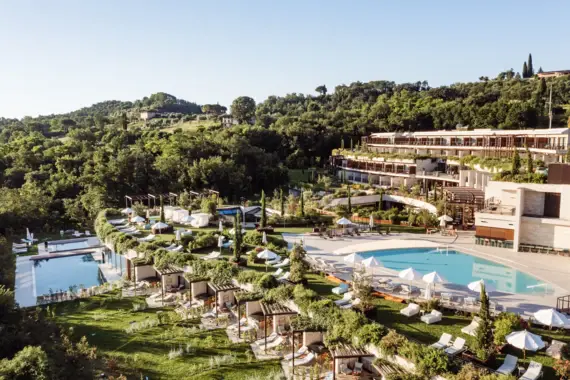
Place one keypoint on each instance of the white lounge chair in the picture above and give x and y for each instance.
(508, 366)
(272, 262)
(19, 246)
(471, 328)
(242, 322)
(282, 264)
(340, 289)
(433, 317)
(147, 238)
(457, 347)
(443, 342)
(273, 344)
(278, 272)
(177, 249)
(351, 304)
(87, 233)
(270, 338)
(210, 314)
(213, 255)
(407, 289)
(116, 222)
(345, 370)
(410, 310)
(303, 361)
(19, 250)
(300, 352)
(285, 277)
(346, 299)
(533, 372)
(171, 246)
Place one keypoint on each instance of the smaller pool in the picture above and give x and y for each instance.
(60, 273)
(73, 245)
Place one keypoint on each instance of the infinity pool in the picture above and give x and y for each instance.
(62, 272)
(73, 245)
(457, 268)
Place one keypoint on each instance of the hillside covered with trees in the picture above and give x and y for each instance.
(47, 181)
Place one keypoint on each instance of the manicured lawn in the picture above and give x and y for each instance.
(104, 320)
(293, 230)
(321, 285)
(388, 314)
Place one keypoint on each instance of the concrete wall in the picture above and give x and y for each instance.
(495, 220)
(144, 271)
(252, 307)
(533, 203)
(538, 231)
(312, 337)
(198, 288)
(226, 296)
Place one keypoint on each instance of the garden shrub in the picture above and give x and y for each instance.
(371, 333)
(504, 325)
(249, 277)
(432, 361)
(389, 344)
(267, 281)
(205, 240)
(253, 238)
(279, 294)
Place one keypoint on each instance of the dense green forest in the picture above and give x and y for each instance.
(47, 181)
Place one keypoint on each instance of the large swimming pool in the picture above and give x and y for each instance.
(62, 272)
(68, 246)
(456, 267)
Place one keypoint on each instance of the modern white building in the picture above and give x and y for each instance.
(525, 216)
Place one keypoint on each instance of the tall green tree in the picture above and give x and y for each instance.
(322, 89)
(302, 205)
(243, 109)
(525, 70)
(530, 68)
(263, 220)
(281, 202)
(349, 199)
(516, 163)
(484, 332)
(529, 162)
(238, 236)
(380, 203)
(162, 216)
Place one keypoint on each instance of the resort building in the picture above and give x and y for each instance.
(553, 74)
(525, 217)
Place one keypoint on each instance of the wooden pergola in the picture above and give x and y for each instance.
(149, 198)
(238, 296)
(270, 310)
(468, 199)
(221, 288)
(168, 269)
(347, 351)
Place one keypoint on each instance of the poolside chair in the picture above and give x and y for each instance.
(340, 289)
(357, 368)
(177, 249)
(345, 370)
(278, 272)
(533, 372)
(213, 255)
(285, 277)
(300, 352)
(457, 347)
(508, 366)
(209, 314)
(346, 299)
(242, 322)
(282, 264)
(443, 342)
(407, 289)
(472, 327)
(273, 344)
(173, 245)
(19, 250)
(276, 261)
(17, 245)
(270, 338)
(147, 238)
(87, 233)
(555, 348)
(433, 317)
(410, 310)
(351, 304)
(303, 361)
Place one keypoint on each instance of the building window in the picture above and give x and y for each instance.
(552, 205)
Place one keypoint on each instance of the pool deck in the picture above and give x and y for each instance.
(550, 269)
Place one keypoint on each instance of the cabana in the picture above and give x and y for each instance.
(171, 275)
(222, 294)
(274, 310)
(200, 220)
(347, 353)
(252, 305)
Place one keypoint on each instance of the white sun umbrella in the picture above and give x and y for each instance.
(371, 262)
(221, 226)
(343, 222)
(178, 235)
(353, 258)
(476, 286)
(28, 235)
(267, 255)
(264, 238)
(410, 274)
(137, 219)
(233, 231)
(220, 241)
(127, 211)
(525, 340)
(432, 278)
(371, 222)
(551, 318)
(159, 226)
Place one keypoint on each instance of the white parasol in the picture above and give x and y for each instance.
(476, 286)
(525, 340)
(127, 211)
(371, 222)
(178, 235)
(137, 219)
(267, 255)
(410, 274)
(551, 318)
(353, 258)
(159, 226)
(343, 222)
(371, 262)
(220, 227)
(264, 238)
(233, 231)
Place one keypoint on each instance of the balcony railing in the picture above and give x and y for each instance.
(499, 209)
(461, 144)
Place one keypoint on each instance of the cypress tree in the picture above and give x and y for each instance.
(237, 237)
(281, 202)
(530, 69)
(351, 144)
(529, 162)
(349, 201)
(516, 163)
(540, 70)
(542, 86)
(342, 143)
(525, 70)
(484, 334)
(380, 202)
(263, 221)
(162, 217)
(302, 205)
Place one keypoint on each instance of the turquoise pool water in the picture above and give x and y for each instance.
(61, 273)
(457, 267)
(68, 246)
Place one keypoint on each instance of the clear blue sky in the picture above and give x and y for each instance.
(60, 55)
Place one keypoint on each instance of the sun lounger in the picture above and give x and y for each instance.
(213, 255)
(282, 264)
(272, 262)
(285, 277)
(406, 289)
(508, 366)
(345, 370)
(555, 348)
(270, 338)
(278, 272)
(87, 233)
(410, 310)
(210, 314)
(19, 246)
(150, 237)
(433, 317)
(19, 250)
(472, 327)
(346, 299)
(357, 368)
(341, 289)
(242, 322)
(116, 222)
(443, 342)
(351, 304)
(533, 372)
(303, 361)
(273, 344)
(177, 249)
(457, 347)
(170, 247)
(300, 352)
(392, 287)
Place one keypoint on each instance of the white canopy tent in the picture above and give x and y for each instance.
(200, 220)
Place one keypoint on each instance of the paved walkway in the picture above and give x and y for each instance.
(25, 286)
(552, 270)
